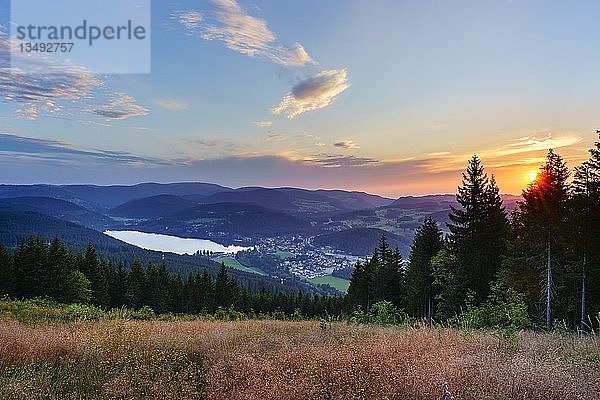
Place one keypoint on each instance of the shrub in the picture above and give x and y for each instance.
(504, 311)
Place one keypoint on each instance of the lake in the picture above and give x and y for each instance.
(171, 244)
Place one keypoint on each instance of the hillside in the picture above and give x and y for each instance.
(60, 209)
(227, 222)
(17, 226)
(104, 198)
(359, 241)
(151, 207)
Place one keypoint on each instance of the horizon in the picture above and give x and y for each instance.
(263, 93)
(243, 187)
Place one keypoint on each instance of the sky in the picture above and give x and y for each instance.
(388, 97)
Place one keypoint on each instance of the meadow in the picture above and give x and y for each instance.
(127, 359)
(333, 281)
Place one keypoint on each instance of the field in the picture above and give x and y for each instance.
(333, 281)
(235, 264)
(284, 255)
(287, 360)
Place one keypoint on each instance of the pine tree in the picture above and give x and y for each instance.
(118, 286)
(30, 268)
(136, 285)
(478, 230)
(7, 272)
(449, 283)
(584, 218)
(419, 276)
(223, 295)
(539, 237)
(94, 271)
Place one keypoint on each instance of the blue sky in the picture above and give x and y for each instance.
(390, 97)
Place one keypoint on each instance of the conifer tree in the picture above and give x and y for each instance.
(584, 220)
(30, 268)
(478, 230)
(539, 237)
(94, 271)
(7, 272)
(419, 276)
(136, 285)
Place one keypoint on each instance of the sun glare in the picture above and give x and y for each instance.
(532, 176)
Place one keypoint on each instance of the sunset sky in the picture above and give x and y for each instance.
(389, 97)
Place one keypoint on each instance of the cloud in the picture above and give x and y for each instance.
(263, 124)
(60, 151)
(313, 93)
(122, 106)
(58, 89)
(171, 104)
(45, 90)
(275, 137)
(340, 161)
(241, 32)
(346, 144)
(189, 19)
(533, 143)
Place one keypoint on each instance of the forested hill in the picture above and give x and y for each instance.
(17, 226)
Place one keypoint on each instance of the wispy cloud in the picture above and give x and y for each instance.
(275, 137)
(59, 90)
(533, 143)
(313, 93)
(49, 149)
(346, 144)
(241, 32)
(121, 106)
(263, 124)
(189, 19)
(171, 104)
(326, 160)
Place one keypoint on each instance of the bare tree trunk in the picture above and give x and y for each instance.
(429, 311)
(549, 282)
(583, 290)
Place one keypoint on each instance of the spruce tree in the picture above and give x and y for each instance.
(30, 268)
(7, 272)
(478, 230)
(419, 275)
(537, 263)
(94, 271)
(136, 286)
(584, 219)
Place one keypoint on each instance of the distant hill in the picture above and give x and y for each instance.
(154, 206)
(359, 241)
(104, 198)
(60, 209)
(227, 222)
(299, 201)
(428, 201)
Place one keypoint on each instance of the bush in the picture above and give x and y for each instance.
(381, 313)
(504, 311)
(83, 312)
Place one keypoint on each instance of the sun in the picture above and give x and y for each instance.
(532, 176)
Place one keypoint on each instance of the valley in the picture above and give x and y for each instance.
(285, 234)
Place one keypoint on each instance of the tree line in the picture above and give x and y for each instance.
(39, 269)
(545, 254)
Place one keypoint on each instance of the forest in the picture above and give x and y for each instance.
(543, 258)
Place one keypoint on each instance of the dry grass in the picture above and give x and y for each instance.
(287, 360)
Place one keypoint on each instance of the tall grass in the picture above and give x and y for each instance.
(287, 360)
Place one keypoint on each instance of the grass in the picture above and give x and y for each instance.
(287, 360)
(284, 255)
(333, 281)
(231, 262)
